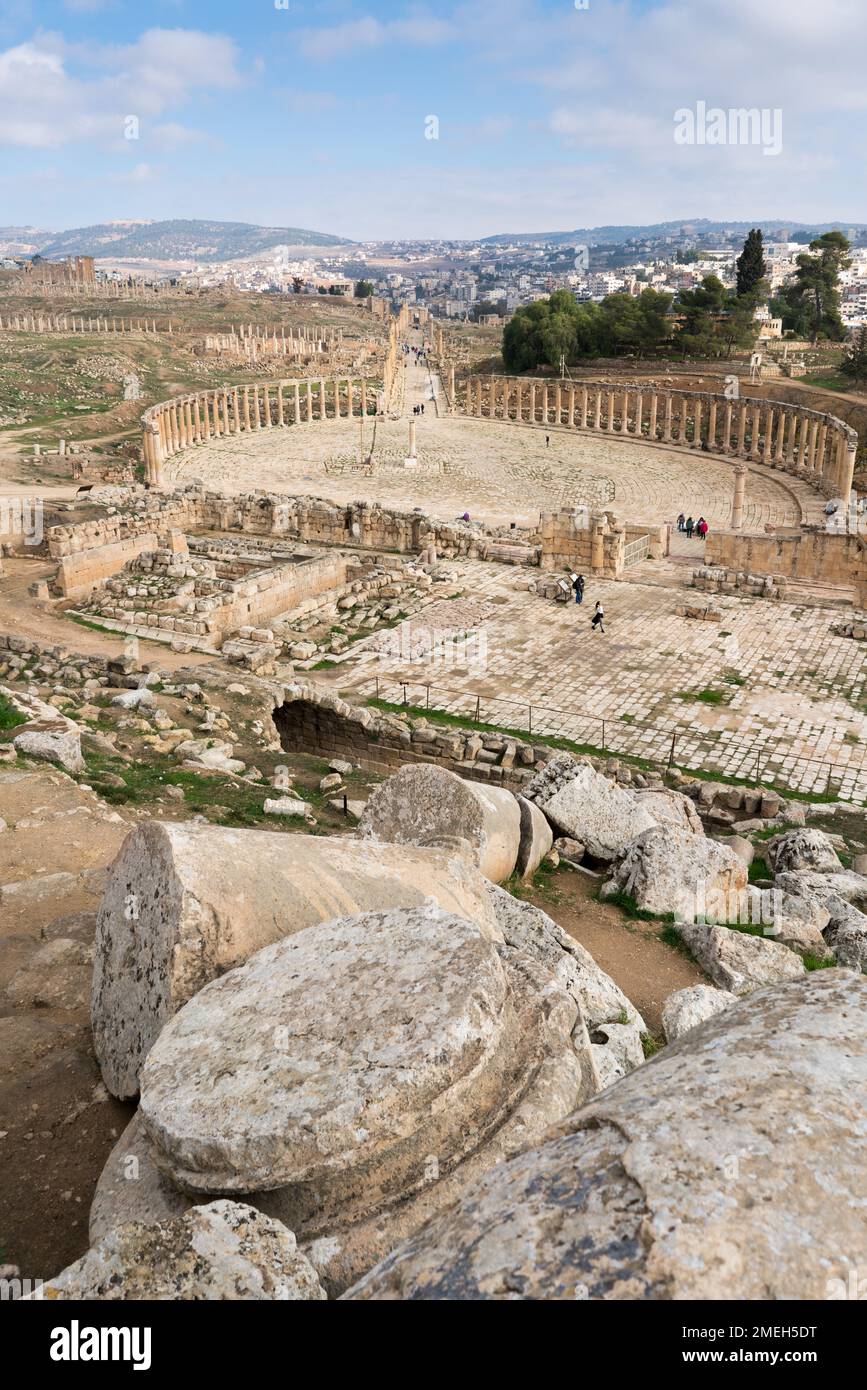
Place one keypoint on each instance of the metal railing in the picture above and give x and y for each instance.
(712, 753)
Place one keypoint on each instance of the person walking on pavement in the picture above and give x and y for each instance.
(547, 440)
(598, 616)
(681, 522)
(688, 527)
(578, 587)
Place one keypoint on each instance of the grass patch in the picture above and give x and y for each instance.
(703, 697)
(651, 1045)
(629, 907)
(758, 870)
(10, 717)
(816, 963)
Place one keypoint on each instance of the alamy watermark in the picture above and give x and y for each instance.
(737, 125)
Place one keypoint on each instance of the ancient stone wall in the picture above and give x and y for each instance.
(810, 554)
(80, 572)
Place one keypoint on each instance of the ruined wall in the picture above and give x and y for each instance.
(812, 554)
(79, 573)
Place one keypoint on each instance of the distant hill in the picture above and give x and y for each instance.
(697, 226)
(177, 240)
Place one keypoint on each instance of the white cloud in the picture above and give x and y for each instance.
(419, 29)
(53, 94)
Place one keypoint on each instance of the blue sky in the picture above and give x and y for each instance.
(314, 114)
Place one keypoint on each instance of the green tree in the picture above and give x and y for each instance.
(854, 364)
(750, 266)
(817, 285)
(363, 289)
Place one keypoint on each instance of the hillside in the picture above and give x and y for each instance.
(179, 240)
(701, 226)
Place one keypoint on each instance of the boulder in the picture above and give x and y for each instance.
(797, 922)
(668, 870)
(134, 699)
(824, 888)
(603, 816)
(287, 806)
(687, 1008)
(223, 1251)
(617, 1049)
(184, 903)
(802, 849)
(426, 805)
(569, 851)
(846, 935)
(742, 847)
(670, 807)
(536, 838)
(705, 1175)
(51, 741)
(331, 1082)
(737, 961)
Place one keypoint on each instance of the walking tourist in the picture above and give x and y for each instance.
(596, 620)
(688, 527)
(578, 587)
(681, 522)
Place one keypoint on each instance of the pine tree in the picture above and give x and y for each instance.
(750, 264)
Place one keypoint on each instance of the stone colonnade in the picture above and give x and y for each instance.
(75, 323)
(184, 421)
(817, 447)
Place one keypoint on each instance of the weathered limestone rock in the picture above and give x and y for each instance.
(669, 870)
(287, 806)
(134, 699)
(799, 923)
(603, 816)
(51, 741)
(685, 1009)
(614, 1025)
(669, 807)
(846, 935)
(184, 903)
(569, 851)
(742, 847)
(802, 849)
(686, 1180)
(736, 961)
(426, 805)
(537, 838)
(824, 888)
(223, 1251)
(328, 1078)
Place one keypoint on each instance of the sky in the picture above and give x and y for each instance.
(380, 120)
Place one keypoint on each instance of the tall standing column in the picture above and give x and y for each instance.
(236, 410)
(737, 520)
(639, 413)
(742, 429)
(666, 425)
(819, 455)
(654, 411)
(711, 424)
(802, 443)
(323, 401)
(545, 405)
(280, 406)
(696, 428)
(756, 437)
(811, 447)
(247, 421)
(768, 451)
(612, 401)
(582, 418)
(532, 402)
(624, 413)
(197, 420)
(309, 415)
(597, 409)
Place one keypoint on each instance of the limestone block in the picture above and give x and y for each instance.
(736, 961)
(629, 1198)
(802, 849)
(687, 1008)
(669, 870)
(424, 805)
(51, 741)
(223, 1251)
(603, 816)
(185, 902)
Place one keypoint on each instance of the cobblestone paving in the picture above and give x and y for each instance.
(795, 694)
(496, 471)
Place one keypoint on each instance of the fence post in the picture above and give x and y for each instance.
(671, 749)
(404, 694)
(478, 707)
(530, 720)
(603, 735)
(377, 687)
(427, 705)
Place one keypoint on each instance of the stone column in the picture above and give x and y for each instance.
(696, 429)
(545, 407)
(779, 442)
(532, 402)
(582, 418)
(639, 414)
(849, 447)
(742, 429)
(819, 455)
(756, 441)
(323, 401)
(247, 422)
(624, 414)
(737, 520)
(597, 410)
(654, 410)
(811, 448)
(802, 443)
(450, 386)
(791, 430)
(767, 452)
(236, 410)
(666, 427)
(612, 401)
(296, 418)
(412, 453)
(197, 421)
(558, 404)
(280, 408)
(711, 423)
(266, 406)
(726, 444)
(309, 415)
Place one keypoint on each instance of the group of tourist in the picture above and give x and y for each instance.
(418, 409)
(692, 528)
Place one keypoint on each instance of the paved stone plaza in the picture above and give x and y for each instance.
(794, 692)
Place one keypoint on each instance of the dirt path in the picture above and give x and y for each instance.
(631, 952)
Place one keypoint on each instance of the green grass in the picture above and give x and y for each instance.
(10, 717)
(704, 697)
(651, 1045)
(758, 870)
(629, 907)
(815, 963)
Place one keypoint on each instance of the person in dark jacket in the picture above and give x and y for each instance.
(578, 587)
